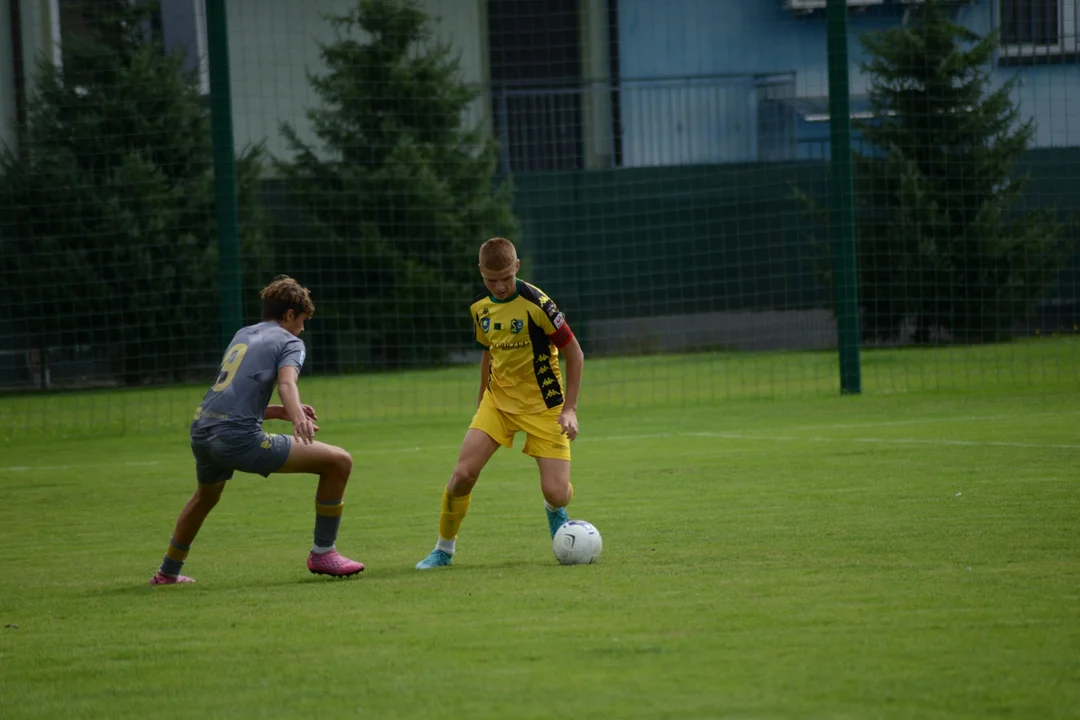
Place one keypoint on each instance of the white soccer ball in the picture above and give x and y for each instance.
(577, 543)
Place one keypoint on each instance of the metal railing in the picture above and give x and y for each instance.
(645, 122)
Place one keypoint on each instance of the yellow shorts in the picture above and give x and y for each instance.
(544, 437)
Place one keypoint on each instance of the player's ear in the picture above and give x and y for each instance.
(517, 265)
(289, 316)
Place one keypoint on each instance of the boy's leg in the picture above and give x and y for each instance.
(557, 489)
(211, 478)
(333, 465)
(476, 450)
(547, 443)
(195, 512)
(187, 527)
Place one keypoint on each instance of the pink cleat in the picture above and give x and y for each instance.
(161, 578)
(333, 563)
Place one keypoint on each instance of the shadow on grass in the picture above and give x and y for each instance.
(392, 573)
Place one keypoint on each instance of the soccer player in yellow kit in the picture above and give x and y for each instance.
(522, 389)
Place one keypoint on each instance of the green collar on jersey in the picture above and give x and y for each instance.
(517, 291)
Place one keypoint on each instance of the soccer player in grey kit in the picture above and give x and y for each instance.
(227, 434)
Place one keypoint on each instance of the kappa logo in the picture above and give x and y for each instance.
(485, 324)
(516, 326)
(548, 381)
(551, 394)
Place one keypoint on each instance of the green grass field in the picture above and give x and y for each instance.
(913, 552)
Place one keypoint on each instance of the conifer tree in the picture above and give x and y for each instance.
(108, 225)
(945, 245)
(395, 193)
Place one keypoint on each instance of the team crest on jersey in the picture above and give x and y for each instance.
(485, 323)
(516, 326)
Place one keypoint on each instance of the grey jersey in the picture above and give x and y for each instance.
(245, 381)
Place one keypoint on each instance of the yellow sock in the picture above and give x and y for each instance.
(453, 513)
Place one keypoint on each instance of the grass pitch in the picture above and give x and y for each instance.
(905, 555)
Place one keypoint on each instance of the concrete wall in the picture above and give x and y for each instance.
(707, 37)
(273, 44)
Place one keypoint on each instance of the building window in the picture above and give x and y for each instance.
(537, 96)
(1030, 22)
(180, 25)
(1038, 28)
(183, 30)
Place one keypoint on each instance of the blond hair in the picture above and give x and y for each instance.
(284, 294)
(497, 254)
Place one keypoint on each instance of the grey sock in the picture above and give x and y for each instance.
(171, 567)
(327, 522)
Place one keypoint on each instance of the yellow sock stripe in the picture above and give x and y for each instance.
(329, 510)
(175, 553)
(452, 515)
(453, 504)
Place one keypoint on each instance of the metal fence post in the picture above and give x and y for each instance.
(217, 47)
(843, 205)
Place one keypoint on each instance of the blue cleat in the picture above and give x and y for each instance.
(556, 519)
(437, 558)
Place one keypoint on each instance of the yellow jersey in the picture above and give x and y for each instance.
(523, 334)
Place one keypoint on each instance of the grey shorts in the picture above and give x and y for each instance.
(217, 457)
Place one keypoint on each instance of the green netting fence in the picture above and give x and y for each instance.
(665, 169)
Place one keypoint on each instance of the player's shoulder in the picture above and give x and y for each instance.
(480, 298)
(274, 332)
(533, 294)
(270, 338)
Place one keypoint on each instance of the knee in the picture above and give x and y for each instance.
(343, 462)
(558, 497)
(207, 496)
(464, 477)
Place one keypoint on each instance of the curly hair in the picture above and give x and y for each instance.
(284, 294)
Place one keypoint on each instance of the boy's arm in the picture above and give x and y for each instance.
(304, 428)
(485, 373)
(277, 412)
(574, 364)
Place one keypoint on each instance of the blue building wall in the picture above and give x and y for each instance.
(717, 120)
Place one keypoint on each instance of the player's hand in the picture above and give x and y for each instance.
(304, 431)
(309, 412)
(568, 423)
